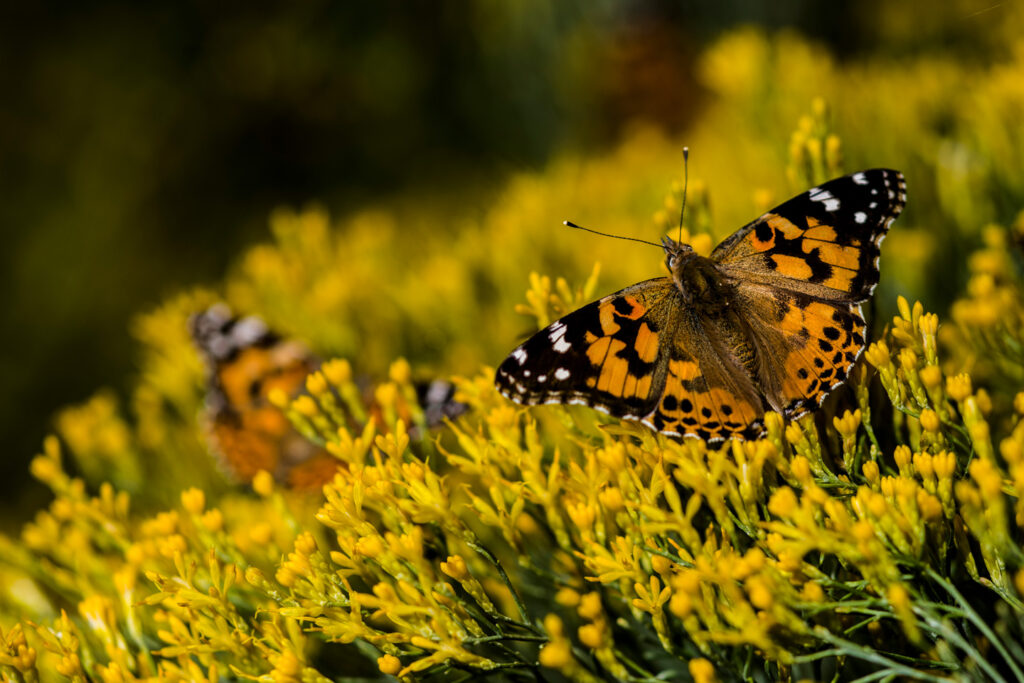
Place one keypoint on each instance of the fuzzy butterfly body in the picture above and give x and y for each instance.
(770, 321)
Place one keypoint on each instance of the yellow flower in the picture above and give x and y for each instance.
(593, 635)
(899, 598)
(931, 377)
(878, 354)
(389, 664)
(567, 597)
(680, 605)
(959, 387)
(759, 592)
(193, 500)
(590, 606)
(611, 499)
(556, 655)
(929, 421)
(847, 425)
(261, 533)
(702, 671)
(455, 567)
(263, 483)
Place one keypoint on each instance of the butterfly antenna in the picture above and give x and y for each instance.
(605, 234)
(686, 180)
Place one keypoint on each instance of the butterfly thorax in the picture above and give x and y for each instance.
(697, 278)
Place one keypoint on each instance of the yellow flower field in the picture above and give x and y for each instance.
(880, 537)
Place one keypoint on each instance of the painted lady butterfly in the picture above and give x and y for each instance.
(770, 321)
(246, 361)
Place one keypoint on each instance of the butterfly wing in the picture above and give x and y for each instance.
(824, 242)
(801, 271)
(708, 392)
(610, 354)
(806, 346)
(640, 355)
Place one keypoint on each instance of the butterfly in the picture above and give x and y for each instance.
(245, 362)
(771, 320)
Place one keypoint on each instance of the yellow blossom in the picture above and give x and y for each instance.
(592, 635)
(263, 483)
(389, 664)
(959, 387)
(455, 567)
(702, 671)
(567, 597)
(213, 520)
(929, 421)
(261, 533)
(590, 606)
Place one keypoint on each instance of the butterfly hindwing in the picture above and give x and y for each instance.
(810, 345)
(704, 396)
(824, 242)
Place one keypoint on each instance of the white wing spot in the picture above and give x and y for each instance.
(826, 197)
(557, 337)
(873, 205)
(860, 217)
(561, 374)
(542, 378)
(859, 179)
(520, 355)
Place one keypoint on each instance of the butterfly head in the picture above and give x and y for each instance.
(676, 254)
(697, 277)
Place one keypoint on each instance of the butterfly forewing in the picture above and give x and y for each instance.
(608, 354)
(824, 242)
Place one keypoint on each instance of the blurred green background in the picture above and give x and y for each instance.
(144, 145)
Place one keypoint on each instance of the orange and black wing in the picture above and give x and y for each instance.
(707, 392)
(638, 354)
(609, 355)
(823, 243)
(801, 272)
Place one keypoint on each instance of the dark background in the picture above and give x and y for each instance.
(143, 145)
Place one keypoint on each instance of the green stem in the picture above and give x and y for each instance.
(979, 624)
(892, 667)
(486, 554)
(501, 637)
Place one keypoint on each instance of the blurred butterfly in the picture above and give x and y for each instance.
(246, 361)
